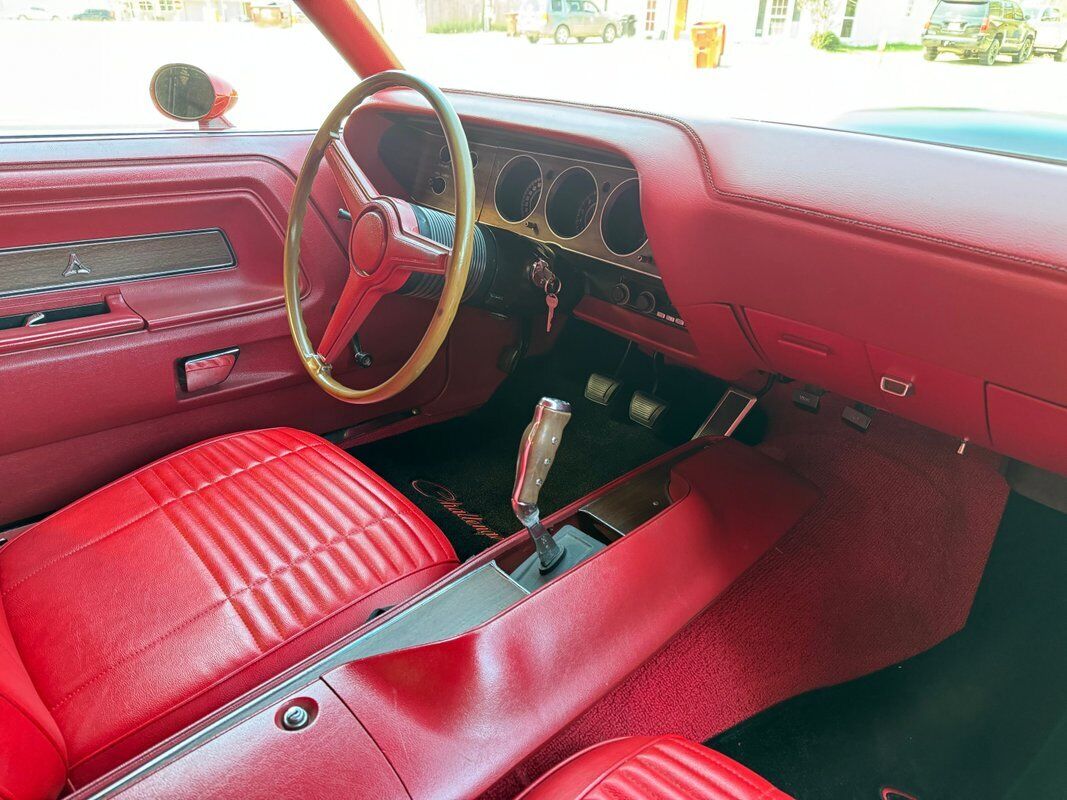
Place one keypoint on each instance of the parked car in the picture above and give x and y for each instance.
(39, 13)
(981, 30)
(1049, 19)
(95, 15)
(562, 20)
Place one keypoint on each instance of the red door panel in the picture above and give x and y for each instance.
(86, 399)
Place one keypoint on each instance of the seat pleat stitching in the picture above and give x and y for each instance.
(258, 622)
(700, 772)
(327, 591)
(701, 754)
(319, 531)
(408, 537)
(370, 487)
(654, 783)
(126, 525)
(252, 604)
(266, 596)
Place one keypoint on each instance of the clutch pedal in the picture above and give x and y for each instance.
(646, 409)
(601, 389)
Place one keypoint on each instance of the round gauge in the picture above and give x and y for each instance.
(444, 155)
(621, 225)
(572, 202)
(518, 189)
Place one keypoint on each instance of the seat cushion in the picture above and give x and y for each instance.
(175, 589)
(651, 768)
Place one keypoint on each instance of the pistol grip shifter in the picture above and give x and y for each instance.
(537, 454)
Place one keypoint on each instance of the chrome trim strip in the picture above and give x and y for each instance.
(268, 698)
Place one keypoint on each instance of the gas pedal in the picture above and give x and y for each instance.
(601, 389)
(728, 413)
(646, 409)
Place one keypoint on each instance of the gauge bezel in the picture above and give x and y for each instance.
(503, 174)
(609, 203)
(555, 188)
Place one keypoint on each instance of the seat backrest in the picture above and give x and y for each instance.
(33, 756)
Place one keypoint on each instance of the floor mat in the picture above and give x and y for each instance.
(884, 567)
(461, 472)
(964, 719)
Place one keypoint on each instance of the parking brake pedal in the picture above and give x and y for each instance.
(601, 389)
(646, 409)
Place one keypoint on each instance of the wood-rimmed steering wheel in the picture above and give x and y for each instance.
(384, 248)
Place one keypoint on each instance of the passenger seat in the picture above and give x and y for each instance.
(651, 768)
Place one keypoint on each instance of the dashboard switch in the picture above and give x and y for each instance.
(620, 294)
(897, 387)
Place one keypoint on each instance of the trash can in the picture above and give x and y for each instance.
(513, 23)
(629, 25)
(709, 41)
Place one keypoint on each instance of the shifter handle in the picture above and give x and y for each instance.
(537, 452)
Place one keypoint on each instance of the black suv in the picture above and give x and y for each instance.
(981, 30)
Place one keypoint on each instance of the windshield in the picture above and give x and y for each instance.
(85, 65)
(969, 11)
(811, 62)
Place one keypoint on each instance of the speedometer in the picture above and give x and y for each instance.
(572, 202)
(518, 189)
(530, 195)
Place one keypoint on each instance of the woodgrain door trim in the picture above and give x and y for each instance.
(98, 262)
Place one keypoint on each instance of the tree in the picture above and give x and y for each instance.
(822, 13)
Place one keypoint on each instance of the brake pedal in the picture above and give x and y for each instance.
(601, 389)
(728, 414)
(646, 409)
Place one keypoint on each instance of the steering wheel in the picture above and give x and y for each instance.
(385, 246)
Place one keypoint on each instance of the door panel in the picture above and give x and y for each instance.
(85, 399)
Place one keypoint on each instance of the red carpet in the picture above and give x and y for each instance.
(885, 566)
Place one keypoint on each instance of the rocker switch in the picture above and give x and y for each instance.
(897, 387)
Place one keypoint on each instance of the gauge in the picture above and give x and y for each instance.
(530, 195)
(518, 189)
(572, 202)
(621, 225)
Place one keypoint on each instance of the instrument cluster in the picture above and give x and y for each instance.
(584, 203)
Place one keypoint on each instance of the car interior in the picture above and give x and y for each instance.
(479, 446)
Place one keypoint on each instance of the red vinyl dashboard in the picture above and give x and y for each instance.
(833, 258)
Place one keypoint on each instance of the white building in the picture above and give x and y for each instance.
(855, 21)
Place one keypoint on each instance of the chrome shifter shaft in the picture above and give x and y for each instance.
(537, 453)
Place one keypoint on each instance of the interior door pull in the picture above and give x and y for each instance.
(208, 369)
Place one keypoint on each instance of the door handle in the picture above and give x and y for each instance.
(208, 369)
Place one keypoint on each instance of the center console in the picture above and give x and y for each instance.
(443, 695)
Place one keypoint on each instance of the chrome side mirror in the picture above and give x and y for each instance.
(188, 94)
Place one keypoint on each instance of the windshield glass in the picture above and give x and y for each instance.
(969, 11)
(965, 73)
(813, 62)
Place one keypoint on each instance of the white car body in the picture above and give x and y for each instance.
(1049, 19)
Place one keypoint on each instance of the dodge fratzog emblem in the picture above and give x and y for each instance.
(75, 267)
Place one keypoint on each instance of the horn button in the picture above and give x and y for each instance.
(368, 240)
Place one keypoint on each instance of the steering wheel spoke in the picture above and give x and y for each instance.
(355, 186)
(416, 253)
